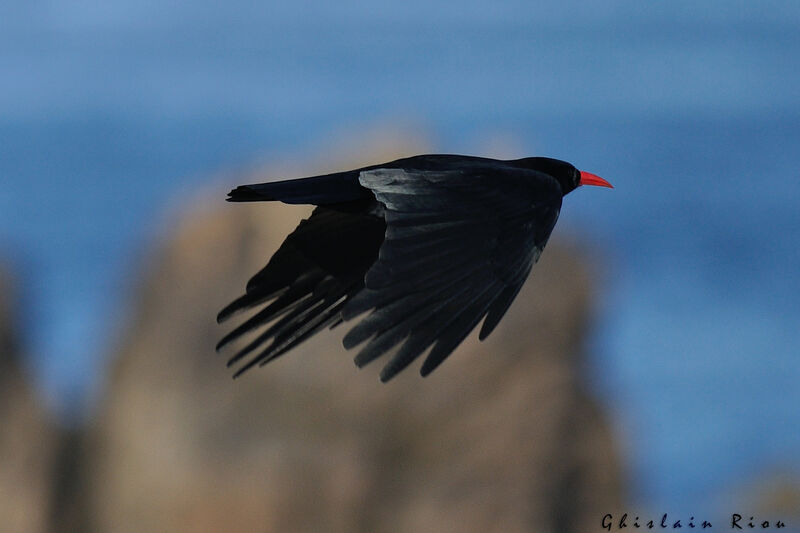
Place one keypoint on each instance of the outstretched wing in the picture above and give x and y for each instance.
(306, 283)
(459, 245)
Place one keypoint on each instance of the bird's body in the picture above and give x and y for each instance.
(428, 245)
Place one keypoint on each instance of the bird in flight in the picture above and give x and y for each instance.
(423, 247)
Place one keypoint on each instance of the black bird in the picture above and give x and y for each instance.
(428, 246)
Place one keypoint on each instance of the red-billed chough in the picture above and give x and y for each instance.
(424, 247)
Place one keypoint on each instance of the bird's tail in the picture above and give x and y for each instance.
(318, 190)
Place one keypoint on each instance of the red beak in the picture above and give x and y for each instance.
(588, 178)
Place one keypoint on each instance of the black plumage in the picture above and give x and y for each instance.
(427, 246)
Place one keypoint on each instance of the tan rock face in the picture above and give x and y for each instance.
(500, 438)
(28, 441)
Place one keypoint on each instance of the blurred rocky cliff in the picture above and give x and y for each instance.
(28, 440)
(502, 437)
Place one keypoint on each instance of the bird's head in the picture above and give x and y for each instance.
(569, 177)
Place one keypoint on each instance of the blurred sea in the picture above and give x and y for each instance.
(111, 111)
